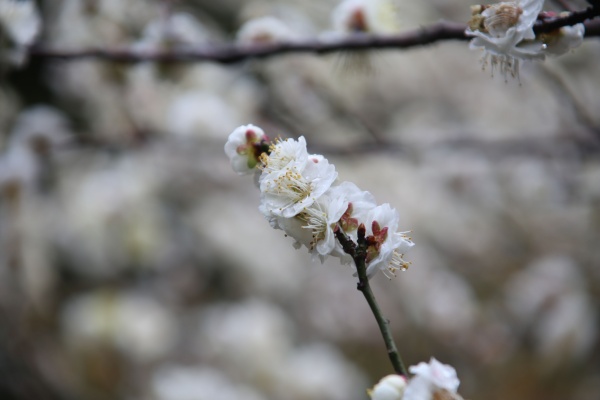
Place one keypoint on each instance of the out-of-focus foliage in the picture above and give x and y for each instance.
(134, 263)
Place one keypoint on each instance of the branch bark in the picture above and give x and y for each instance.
(235, 53)
(575, 17)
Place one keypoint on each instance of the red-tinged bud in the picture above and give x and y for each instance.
(361, 232)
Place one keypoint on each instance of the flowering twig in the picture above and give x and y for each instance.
(230, 53)
(358, 252)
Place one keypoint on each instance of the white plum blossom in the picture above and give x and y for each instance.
(504, 31)
(264, 30)
(344, 204)
(432, 381)
(386, 246)
(359, 203)
(284, 154)
(367, 16)
(314, 226)
(241, 148)
(288, 185)
(562, 40)
(390, 387)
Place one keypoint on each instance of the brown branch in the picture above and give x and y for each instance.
(228, 54)
(234, 53)
(545, 25)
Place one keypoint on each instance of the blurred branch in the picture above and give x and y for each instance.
(529, 144)
(576, 17)
(541, 147)
(233, 53)
(228, 54)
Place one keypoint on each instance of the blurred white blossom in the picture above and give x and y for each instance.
(113, 215)
(368, 16)
(439, 299)
(563, 40)
(317, 371)
(132, 323)
(549, 297)
(175, 31)
(252, 333)
(264, 30)
(200, 114)
(172, 382)
(21, 20)
(504, 32)
(37, 133)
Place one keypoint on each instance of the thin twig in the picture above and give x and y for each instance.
(358, 253)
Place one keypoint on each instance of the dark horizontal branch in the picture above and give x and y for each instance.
(228, 54)
(576, 17)
(233, 53)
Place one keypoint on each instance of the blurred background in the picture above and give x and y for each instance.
(134, 263)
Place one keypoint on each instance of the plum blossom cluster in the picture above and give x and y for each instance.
(301, 195)
(430, 381)
(504, 32)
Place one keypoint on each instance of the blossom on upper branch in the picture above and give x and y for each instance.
(562, 40)
(20, 20)
(21, 23)
(504, 31)
(367, 16)
(264, 30)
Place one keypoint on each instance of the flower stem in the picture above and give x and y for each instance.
(358, 253)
